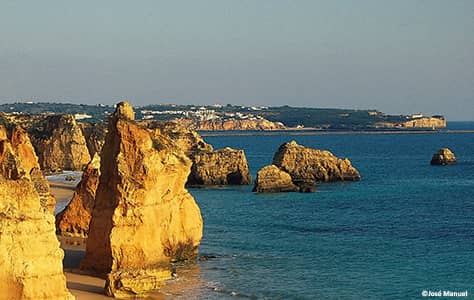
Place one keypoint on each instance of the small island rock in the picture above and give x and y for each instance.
(220, 167)
(312, 165)
(443, 157)
(271, 179)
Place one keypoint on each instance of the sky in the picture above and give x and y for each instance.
(400, 57)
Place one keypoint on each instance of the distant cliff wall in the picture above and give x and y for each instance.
(223, 125)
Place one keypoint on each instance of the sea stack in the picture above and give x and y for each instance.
(143, 217)
(271, 179)
(443, 157)
(30, 257)
(220, 167)
(75, 218)
(306, 167)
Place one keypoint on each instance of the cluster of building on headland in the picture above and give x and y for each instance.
(131, 204)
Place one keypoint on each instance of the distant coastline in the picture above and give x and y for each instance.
(219, 117)
(330, 132)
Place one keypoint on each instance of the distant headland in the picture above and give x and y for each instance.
(235, 117)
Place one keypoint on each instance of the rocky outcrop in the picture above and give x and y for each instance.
(271, 179)
(443, 157)
(94, 134)
(231, 124)
(186, 139)
(220, 167)
(425, 122)
(60, 144)
(75, 218)
(30, 257)
(20, 160)
(308, 166)
(143, 217)
(58, 140)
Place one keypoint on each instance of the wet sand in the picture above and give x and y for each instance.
(62, 191)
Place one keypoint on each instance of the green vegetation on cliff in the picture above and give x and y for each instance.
(301, 117)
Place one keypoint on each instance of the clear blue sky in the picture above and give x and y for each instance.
(396, 56)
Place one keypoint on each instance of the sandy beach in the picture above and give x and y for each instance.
(81, 286)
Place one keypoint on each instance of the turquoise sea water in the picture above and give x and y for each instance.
(404, 228)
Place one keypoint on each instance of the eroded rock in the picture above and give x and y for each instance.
(220, 167)
(443, 157)
(308, 166)
(30, 257)
(271, 179)
(75, 218)
(94, 134)
(143, 217)
(18, 158)
(60, 144)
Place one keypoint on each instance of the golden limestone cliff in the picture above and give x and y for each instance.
(30, 257)
(220, 167)
(189, 141)
(94, 134)
(223, 125)
(143, 217)
(20, 150)
(58, 140)
(75, 218)
(306, 167)
(60, 144)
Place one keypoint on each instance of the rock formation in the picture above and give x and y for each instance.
(60, 144)
(222, 125)
(94, 134)
(187, 140)
(306, 164)
(425, 122)
(58, 140)
(143, 217)
(30, 257)
(220, 167)
(75, 218)
(443, 157)
(19, 151)
(271, 179)
(306, 167)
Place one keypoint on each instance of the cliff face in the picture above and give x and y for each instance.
(58, 140)
(220, 167)
(30, 257)
(75, 218)
(60, 144)
(20, 160)
(425, 122)
(94, 134)
(187, 140)
(143, 218)
(222, 125)
(309, 166)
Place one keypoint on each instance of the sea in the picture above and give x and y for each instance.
(404, 231)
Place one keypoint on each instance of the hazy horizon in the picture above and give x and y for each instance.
(399, 57)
